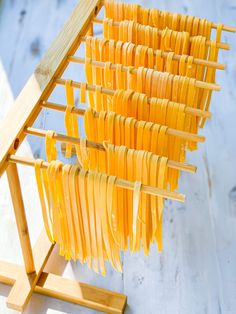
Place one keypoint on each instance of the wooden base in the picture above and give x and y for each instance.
(55, 286)
(68, 290)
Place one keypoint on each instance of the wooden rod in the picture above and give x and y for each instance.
(170, 163)
(90, 144)
(110, 92)
(182, 166)
(224, 46)
(124, 68)
(185, 135)
(197, 61)
(73, 140)
(119, 182)
(78, 111)
(214, 25)
(225, 28)
(21, 221)
(63, 138)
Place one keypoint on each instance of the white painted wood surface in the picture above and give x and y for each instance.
(196, 272)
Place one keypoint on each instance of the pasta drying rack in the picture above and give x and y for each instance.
(32, 277)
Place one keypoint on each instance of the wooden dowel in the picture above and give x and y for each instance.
(170, 163)
(188, 110)
(225, 28)
(119, 182)
(63, 138)
(90, 144)
(213, 25)
(111, 92)
(197, 61)
(62, 108)
(22, 226)
(100, 64)
(185, 135)
(208, 42)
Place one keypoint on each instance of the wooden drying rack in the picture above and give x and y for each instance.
(32, 278)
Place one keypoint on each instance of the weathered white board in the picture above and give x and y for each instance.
(196, 272)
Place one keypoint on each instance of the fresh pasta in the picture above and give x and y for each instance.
(146, 94)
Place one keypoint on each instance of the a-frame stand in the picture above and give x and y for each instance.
(32, 278)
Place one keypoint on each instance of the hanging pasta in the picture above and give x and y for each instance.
(161, 19)
(86, 218)
(143, 135)
(156, 83)
(137, 121)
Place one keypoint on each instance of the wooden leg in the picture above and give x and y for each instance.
(69, 290)
(18, 204)
(25, 283)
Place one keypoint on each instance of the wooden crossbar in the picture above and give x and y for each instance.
(107, 91)
(119, 182)
(124, 68)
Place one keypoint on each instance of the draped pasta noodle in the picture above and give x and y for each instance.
(50, 148)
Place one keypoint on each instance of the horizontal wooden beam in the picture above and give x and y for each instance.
(68, 290)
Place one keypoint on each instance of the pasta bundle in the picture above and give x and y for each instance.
(165, 40)
(75, 221)
(136, 134)
(161, 19)
(119, 52)
(135, 165)
(168, 40)
(91, 219)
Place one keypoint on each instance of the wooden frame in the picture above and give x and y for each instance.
(31, 278)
